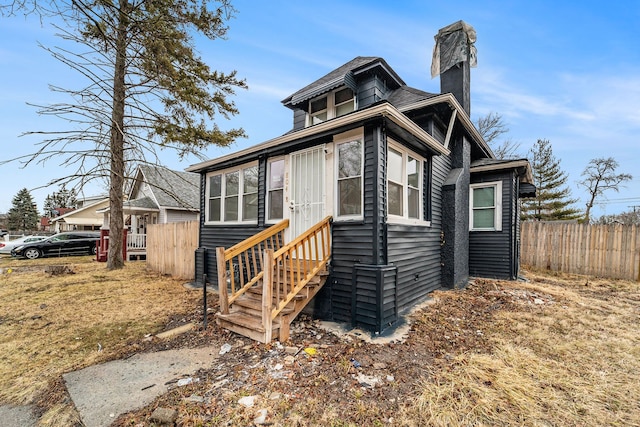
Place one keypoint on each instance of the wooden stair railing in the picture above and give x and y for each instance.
(290, 276)
(240, 266)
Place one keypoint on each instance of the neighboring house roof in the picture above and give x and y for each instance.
(86, 215)
(89, 200)
(169, 189)
(62, 211)
(145, 203)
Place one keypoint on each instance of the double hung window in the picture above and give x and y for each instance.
(233, 195)
(486, 206)
(405, 185)
(275, 190)
(349, 177)
(335, 104)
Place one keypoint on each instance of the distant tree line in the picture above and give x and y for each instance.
(553, 200)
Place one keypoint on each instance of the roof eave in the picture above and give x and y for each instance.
(462, 116)
(513, 164)
(381, 110)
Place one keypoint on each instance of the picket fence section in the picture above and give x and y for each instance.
(611, 251)
(171, 248)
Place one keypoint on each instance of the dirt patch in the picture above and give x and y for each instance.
(319, 377)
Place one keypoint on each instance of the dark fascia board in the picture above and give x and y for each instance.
(381, 109)
(316, 91)
(343, 79)
(462, 116)
(380, 63)
(527, 190)
(521, 164)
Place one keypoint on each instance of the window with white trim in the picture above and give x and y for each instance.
(233, 195)
(349, 179)
(485, 206)
(275, 190)
(405, 186)
(335, 104)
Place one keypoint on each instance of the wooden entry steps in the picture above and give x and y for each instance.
(268, 282)
(246, 315)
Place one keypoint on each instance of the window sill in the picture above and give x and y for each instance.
(222, 223)
(345, 218)
(407, 221)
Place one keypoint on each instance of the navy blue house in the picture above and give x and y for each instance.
(415, 198)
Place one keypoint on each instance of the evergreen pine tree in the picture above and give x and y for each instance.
(49, 207)
(23, 215)
(553, 198)
(141, 86)
(60, 199)
(63, 199)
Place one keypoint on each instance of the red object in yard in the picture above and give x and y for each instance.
(103, 245)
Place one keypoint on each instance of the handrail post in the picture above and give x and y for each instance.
(223, 294)
(267, 294)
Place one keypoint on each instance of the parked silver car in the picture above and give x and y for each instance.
(5, 247)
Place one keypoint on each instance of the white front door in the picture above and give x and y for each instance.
(307, 201)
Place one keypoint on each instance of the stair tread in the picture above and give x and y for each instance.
(255, 306)
(246, 320)
(245, 316)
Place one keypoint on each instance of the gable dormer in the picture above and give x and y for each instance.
(355, 85)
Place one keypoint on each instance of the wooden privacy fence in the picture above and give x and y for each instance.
(171, 248)
(611, 251)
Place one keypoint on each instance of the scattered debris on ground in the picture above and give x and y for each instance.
(341, 375)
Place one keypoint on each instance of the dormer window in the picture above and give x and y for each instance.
(318, 111)
(335, 104)
(344, 101)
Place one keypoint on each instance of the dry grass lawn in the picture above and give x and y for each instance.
(50, 324)
(575, 361)
(556, 350)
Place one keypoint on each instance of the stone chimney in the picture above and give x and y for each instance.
(453, 56)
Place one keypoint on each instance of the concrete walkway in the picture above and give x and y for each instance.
(17, 416)
(103, 392)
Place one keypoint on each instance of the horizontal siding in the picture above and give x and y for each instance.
(352, 244)
(353, 241)
(213, 237)
(370, 91)
(374, 301)
(441, 165)
(491, 252)
(389, 300)
(365, 304)
(489, 255)
(299, 119)
(415, 251)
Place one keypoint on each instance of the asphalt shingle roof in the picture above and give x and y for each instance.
(173, 189)
(407, 95)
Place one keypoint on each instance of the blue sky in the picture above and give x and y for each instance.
(568, 72)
